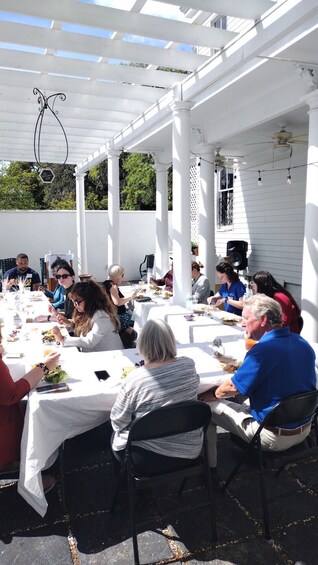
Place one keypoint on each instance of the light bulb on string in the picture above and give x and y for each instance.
(289, 179)
(259, 180)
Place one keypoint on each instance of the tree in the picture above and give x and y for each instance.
(61, 193)
(96, 187)
(19, 186)
(139, 187)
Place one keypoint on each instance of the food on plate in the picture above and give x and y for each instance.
(231, 321)
(48, 336)
(56, 375)
(232, 367)
(125, 371)
(167, 294)
(155, 287)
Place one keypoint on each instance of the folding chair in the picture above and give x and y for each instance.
(295, 408)
(163, 422)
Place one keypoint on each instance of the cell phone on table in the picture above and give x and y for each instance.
(102, 375)
(53, 387)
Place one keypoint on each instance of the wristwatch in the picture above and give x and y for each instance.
(44, 368)
(226, 299)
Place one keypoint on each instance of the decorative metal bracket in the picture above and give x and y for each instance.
(46, 103)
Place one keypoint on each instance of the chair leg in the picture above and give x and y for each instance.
(120, 478)
(183, 484)
(62, 475)
(132, 512)
(211, 493)
(263, 493)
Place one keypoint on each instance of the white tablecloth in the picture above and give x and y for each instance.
(52, 418)
(200, 329)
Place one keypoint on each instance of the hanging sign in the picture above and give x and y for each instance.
(47, 175)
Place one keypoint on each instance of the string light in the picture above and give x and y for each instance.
(289, 179)
(259, 180)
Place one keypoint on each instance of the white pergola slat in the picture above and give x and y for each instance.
(95, 46)
(112, 64)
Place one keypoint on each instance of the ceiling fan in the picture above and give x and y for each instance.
(221, 161)
(284, 138)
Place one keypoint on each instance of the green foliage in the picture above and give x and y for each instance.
(21, 187)
(18, 186)
(139, 187)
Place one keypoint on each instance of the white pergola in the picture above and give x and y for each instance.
(111, 62)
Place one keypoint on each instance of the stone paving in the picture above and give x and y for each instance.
(89, 535)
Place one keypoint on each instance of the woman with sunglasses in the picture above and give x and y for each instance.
(94, 321)
(65, 276)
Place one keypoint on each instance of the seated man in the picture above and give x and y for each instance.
(280, 365)
(22, 271)
(200, 285)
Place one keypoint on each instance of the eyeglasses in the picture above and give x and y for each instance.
(64, 276)
(77, 302)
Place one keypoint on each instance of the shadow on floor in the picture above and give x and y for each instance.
(88, 534)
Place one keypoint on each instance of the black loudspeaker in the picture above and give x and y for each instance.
(236, 252)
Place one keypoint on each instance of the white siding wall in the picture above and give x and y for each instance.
(271, 219)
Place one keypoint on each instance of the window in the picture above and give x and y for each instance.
(225, 179)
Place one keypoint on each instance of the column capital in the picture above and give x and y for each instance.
(178, 106)
(206, 149)
(161, 167)
(113, 153)
(311, 99)
(79, 175)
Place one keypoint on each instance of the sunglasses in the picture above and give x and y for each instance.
(64, 276)
(77, 302)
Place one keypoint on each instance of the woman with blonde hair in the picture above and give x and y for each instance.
(116, 275)
(94, 321)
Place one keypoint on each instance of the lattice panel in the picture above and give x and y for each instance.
(194, 202)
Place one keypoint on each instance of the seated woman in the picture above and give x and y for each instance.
(12, 411)
(231, 291)
(166, 281)
(200, 284)
(163, 379)
(94, 321)
(116, 274)
(57, 297)
(263, 282)
(65, 276)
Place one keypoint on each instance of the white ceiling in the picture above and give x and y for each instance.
(79, 48)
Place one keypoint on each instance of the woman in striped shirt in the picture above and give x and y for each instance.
(163, 379)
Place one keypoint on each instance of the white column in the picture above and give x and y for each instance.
(113, 207)
(309, 302)
(181, 201)
(162, 224)
(81, 224)
(206, 241)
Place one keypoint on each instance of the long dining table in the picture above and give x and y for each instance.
(52, 418)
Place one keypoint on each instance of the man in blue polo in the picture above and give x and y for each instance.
(280, 365)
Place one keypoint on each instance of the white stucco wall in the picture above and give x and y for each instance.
(39, 232)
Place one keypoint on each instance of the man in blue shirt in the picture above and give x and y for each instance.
(22, 271)
(280, 365)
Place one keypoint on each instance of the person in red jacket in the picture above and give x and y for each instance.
(12, 409)
(263, 282)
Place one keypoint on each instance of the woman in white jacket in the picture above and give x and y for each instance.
(94, 322)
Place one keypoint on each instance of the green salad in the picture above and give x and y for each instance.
(57, 375)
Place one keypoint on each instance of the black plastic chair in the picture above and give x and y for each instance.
(6, 264)
(163, 422)
(147, 263)
(295, 408)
